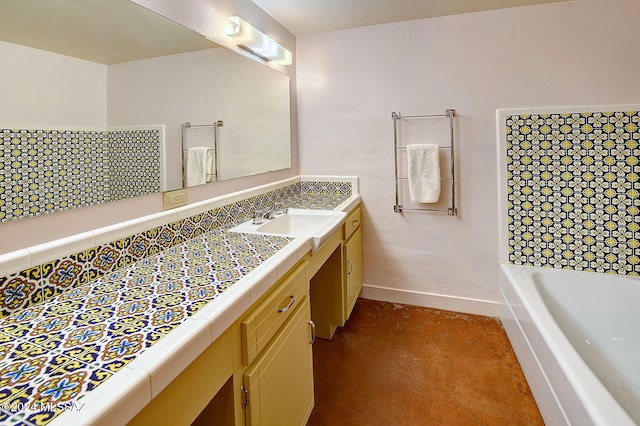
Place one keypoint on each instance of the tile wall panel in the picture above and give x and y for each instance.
(134, 163)
(46, 171)
(573, 190)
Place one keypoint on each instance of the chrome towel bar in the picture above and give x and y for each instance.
(452, 210)
(216, 153)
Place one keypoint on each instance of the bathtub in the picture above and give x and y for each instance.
(577, 338)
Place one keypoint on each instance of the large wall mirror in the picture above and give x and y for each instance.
(104, 100)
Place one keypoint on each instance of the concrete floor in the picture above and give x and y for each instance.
(404, 365)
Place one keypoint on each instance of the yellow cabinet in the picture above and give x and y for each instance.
(337, 281)
(353, 273)
(278, 387)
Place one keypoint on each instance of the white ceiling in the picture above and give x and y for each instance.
(315, 16)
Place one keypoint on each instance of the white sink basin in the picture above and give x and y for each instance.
(318, 225)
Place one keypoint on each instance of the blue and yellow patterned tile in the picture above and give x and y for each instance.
(197, 270)
(197, 280)
(116, 349)
(104, 259)
(177, 240)
(20, 290)
(204, 260)
(208, 221)
(139, 246)
(246, 261)
(135, 293)
(165, 237)
(170, 276)
(25, 380)
(63, 274)
(230, 275)
(141, 270)
(165, 264)
(166, 300)
(157, 321)
(136, 282)
(108, 286)
(169, 287)
(133, 307)
(224, 216)
(202, 293)
(15, 406)
(51, 392)
(195, 306)
(195, 249)
(24, 315)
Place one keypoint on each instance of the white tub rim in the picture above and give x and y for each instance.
(600, 405)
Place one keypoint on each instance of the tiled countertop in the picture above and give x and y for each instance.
(105, 349)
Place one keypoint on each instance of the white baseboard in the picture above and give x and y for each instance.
(430, 300)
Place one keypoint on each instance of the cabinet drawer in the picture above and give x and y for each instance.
(352, 223)
(264, 321)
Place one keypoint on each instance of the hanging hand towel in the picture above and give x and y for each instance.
(424, 173)
(199, 165)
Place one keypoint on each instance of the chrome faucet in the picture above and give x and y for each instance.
(277, 210)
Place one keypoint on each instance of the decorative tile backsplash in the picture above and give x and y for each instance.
(573, 190)
(45, 171)
(32, 286)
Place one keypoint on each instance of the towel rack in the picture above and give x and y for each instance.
(183, 140)
(452, 210)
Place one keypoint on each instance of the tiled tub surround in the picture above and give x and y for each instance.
(45, 171)
(569, 187)
(59, 350)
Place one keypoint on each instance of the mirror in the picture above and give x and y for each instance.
(95, 95)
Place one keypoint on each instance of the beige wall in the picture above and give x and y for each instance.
(349, 82)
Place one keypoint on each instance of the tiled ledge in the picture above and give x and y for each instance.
(129, 382)
(35, 274)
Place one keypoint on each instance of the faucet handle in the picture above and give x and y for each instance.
(280, 207)
(258, 217)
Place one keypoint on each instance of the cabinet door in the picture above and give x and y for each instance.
(280, 382)
(353, 265)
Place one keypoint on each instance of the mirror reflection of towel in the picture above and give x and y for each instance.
(199, 165)
(424, 173)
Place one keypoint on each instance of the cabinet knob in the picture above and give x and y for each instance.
(354, 222)
(350, 268)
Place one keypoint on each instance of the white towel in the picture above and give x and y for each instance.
(199, 165)
(424, 173)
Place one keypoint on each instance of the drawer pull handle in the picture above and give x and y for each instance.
(350, 268)
(286, 308)
(313, 331)
(355, 222)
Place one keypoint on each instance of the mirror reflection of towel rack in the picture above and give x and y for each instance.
(452, 210)
(216, 157)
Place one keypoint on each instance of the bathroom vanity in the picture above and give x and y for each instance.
(263, 370)
(203, 321)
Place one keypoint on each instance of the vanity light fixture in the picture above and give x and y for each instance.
(249, 38)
